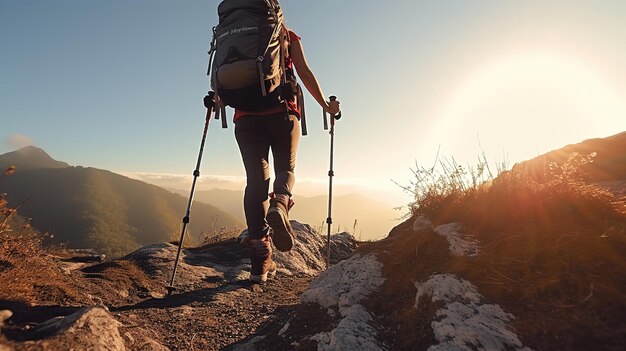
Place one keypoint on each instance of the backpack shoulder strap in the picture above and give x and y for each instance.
(284, 50)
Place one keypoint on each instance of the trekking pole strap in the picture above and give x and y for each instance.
(223, 113)
(212, 53)
(300, 97)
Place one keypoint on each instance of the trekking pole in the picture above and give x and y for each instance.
(209, 103)
(331, 174)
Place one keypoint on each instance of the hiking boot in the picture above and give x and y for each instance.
(270, 271)
(278, 219)
(261, 261)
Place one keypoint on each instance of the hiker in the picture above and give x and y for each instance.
(256, 59)
(251, 64)
(278, 129)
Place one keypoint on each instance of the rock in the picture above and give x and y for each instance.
(342, 245)
(75, 259)
(193, 268)
(344, 286)
(228, 260)
(130, 338)
(156, 295)
(309, 253)
(464, 321)
(90, 328)
(460, 244)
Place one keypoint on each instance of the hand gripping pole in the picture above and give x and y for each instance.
(209, 103)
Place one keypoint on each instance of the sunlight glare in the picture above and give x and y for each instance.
(526, 105)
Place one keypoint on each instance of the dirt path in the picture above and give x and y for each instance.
(212, 318)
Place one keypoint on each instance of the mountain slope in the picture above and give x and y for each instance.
(230, 201)
(609, 161)
(92, 208)
(29, 157)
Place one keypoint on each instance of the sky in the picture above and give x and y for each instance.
(118, 85)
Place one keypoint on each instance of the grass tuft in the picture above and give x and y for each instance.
(27, 272)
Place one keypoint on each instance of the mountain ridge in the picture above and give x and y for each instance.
(85, 207)
(29, 157)
(607, 158)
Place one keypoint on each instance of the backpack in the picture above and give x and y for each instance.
(248, 55)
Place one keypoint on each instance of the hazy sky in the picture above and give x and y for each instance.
(118, 84)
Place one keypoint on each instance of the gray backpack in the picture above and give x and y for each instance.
(248, 55)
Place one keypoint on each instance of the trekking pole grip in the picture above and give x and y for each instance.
(209, 100)
(334, 98)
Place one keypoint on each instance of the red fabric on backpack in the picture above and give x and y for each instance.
(292, 105)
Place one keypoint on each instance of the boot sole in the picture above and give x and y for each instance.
(283, 235)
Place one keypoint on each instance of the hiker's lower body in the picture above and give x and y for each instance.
(256, 135)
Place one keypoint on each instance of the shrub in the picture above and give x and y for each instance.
(27, 272)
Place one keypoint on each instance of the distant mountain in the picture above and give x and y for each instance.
(230, 201)
(374, 219)
(29, 157)
(93, 208)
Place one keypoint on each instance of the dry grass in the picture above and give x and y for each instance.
(487, 201)
(553, 249)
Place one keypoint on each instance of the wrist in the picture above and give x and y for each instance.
(326, 106)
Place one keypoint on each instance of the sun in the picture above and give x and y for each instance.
(528, 104)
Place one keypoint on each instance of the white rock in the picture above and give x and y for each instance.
(352, 333)
(464, 322)
(344, 286)
(460, 244)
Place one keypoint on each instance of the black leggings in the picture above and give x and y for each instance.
(255, 136)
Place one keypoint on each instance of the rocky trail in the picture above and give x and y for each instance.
(123, 304)
(426, 286)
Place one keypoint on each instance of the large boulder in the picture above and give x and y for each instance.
(90, 328)
(229, 259)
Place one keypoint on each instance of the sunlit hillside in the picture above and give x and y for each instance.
(101, 210)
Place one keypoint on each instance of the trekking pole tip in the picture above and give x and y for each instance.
(170, 289)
